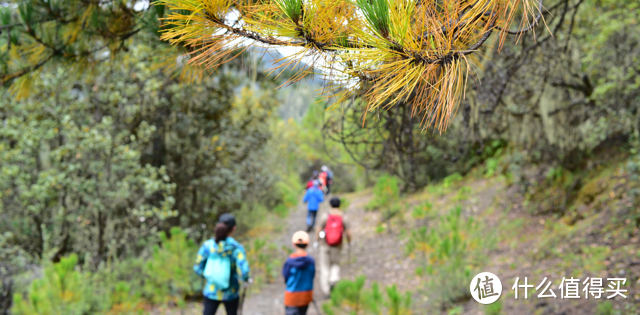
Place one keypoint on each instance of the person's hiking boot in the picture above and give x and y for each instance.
(309, 229)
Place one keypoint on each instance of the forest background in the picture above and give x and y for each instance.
(106, 175)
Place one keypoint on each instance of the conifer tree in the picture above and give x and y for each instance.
(384, 51)
(62, 290)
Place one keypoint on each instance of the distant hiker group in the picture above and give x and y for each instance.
(222, 261)
(318, 186)
(323, 179)
(333, 229)
(300, 269)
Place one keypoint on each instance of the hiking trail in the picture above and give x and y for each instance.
(379, 257)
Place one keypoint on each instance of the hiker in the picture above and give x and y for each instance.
(322, 179)
(314, 177)
(333, 228)
(313, 197)
(298, 271)
(327, 176)
(222, 261)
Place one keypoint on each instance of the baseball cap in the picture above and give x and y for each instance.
(228, 219)
(300, 237)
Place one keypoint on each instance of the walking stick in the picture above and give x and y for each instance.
(316, 306)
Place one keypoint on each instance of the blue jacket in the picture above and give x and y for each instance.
(313, 197)
(299, 271)
(239, 263)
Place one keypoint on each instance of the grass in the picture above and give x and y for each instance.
(493, 309)
(449, 249)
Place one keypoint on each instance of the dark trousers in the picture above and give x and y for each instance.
(211, 306)
(293, 310)
(311, 219)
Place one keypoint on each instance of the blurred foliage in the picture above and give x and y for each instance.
(131, 285)
(62, 290)
(494, 308)
(81, 35)
(386, 199)
(263, 256)
(70, 173)
(304, 149)
(350, 297)
(556, 100)
(385, 193)
(393, 142)
(422, 211)
(147, 156)
(562, 97)
(98, 164)
(604, 308)
(169, 275)
(449, 251)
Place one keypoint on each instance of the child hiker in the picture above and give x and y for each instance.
(313, 197)
(222, 262)
(298, 271)
(333, 228)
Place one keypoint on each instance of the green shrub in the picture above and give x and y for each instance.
(386, 199)
(169, 275)
(385, 193)
(124, 300)
(265, 260)
(422, 210)
(119, 286)
(491, 167)
(350, 297)
(62, 290)
(604, 308)
(446, 251)
(554, 173)
(254, 215)
(290, 189)
(344, 204)
(493, 309)
(281, 211)
(463, 193)
(452, 180)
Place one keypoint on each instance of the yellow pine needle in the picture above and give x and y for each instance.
(419, 60)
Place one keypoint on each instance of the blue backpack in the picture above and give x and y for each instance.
(217, 270)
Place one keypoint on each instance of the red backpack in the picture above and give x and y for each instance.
(333, 230)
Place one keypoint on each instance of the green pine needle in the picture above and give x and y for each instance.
(376, 12)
